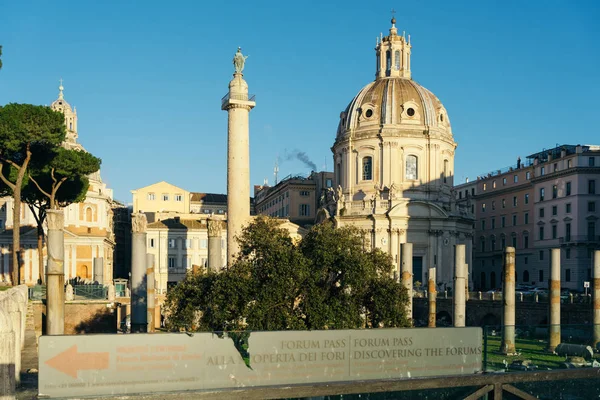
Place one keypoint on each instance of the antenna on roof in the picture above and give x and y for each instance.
(276, 170)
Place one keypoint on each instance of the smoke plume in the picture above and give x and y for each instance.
(302, 156)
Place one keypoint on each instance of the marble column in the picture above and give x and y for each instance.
(55, 274)
(215, 257)
(407, 275)
(150, 291)
(508, 302)
(7, 355)
(596, 298)
(554, 300)
(460, 280)
(139, 320)
(238, 105)
(432, 293)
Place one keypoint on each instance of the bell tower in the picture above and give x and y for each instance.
(393, 54)
(70, 114)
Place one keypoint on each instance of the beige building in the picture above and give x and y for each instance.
(89, 236)
(180, 243)
(394, 164)
(162, 200)
(296, 198)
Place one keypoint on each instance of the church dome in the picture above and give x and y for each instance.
(398, 102)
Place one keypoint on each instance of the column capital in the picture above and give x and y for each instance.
(56, 219)
(138, 223)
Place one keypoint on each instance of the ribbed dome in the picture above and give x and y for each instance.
(395, 102)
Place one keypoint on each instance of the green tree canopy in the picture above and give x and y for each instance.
(57, 178)
(26, 132)
(326, 281)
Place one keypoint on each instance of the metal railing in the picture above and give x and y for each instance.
(520, 297)
(90, 291)
(237, 96)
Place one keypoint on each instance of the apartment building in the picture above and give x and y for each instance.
(294, 197)
(548, 201)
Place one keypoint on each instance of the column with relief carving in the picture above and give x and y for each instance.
(139, 312)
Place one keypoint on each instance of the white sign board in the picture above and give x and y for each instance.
(586, 284)
(83, 365)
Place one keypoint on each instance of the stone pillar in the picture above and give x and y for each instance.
(151, 296)
(69, 294)
(407, 275)
(55, 274)
(16, 310)
(99, 270)
(554, 299)
(7, 355)
(238, 105)
(215, 257)
(139, 312)
(432, 292)
(508, 302)
(460, 282)
(596, 298)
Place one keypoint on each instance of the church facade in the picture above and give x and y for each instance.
(89, 236)
(393, 167)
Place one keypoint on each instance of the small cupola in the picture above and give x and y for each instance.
(393, 54)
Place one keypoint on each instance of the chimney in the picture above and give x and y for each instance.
(177, 219)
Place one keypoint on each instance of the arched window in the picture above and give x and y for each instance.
(492, 280)
(412, 169)
(525, 276)
(445, 171)
(388, 61)
(367, 168)
(88, 214)
(339, 173)
(483, 281)
(378, 62)
(397, 60)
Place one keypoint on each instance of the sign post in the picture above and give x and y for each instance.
(586, 286)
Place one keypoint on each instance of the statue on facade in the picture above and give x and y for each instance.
(239, 60)
(392, 190)
(340, 194)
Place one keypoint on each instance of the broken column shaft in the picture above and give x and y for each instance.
(407, 275)
(460, 282)
(554, 299)
(432, 293)
(508, 302)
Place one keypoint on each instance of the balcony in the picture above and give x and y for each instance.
(236, 96)
(579, 239)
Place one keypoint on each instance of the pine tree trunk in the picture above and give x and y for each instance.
(16, 275)
(40, 246)
(16, 272)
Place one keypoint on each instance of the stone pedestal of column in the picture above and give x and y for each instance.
(554, 300)
(139, 312)
(406, 275)
(215, 255)
(55, 274)
(508, 303)
(460, 282)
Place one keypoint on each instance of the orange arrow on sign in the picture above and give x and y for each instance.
(70, 361)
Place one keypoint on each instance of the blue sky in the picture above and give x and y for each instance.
(147, 77)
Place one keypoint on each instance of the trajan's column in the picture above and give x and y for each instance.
(238, 105)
